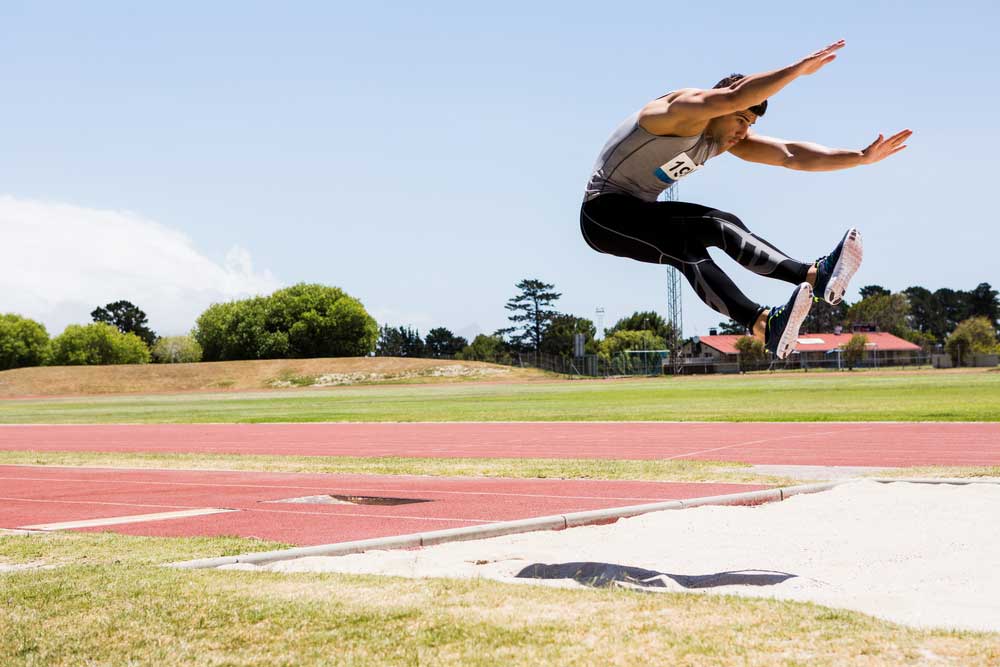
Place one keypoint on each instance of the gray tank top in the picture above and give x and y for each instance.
(638, 163)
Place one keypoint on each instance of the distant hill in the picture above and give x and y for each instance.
(249, 375)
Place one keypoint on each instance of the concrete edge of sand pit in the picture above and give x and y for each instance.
(958, 481)
(555, 522)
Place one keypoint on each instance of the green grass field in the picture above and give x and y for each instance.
(109, 602)
(883, 396)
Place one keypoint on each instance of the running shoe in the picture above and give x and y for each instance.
(782, 327)
(835, 271)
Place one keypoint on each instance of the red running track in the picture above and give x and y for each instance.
(32, 495)
(829, 444)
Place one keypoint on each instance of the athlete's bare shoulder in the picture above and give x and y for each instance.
(663, 117)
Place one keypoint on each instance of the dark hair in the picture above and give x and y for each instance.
(758, 109)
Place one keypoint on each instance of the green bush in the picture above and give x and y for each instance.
(855, 349)
(752, 352)
(645, 320)
(484, 348)
(23, 342)
(296, 322)
(96, 344)
(924, 339)
(972, 336)
(176, 350)
(624, 340)
(238, 330)
(888, 312)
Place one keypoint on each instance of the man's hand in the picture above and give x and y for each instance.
(812, 63)
(881, 148)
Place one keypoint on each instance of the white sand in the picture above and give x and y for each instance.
(919, 554)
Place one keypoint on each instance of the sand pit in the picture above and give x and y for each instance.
(920, 554)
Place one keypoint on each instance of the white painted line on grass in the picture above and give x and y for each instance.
(134, 518)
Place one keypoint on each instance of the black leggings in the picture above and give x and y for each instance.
(678, 233)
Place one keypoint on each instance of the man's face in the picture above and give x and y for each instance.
(732, 129)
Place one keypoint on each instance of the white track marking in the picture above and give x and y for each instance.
(92, 502)
(133, 518)
(757, 442)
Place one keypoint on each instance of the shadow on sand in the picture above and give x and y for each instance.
(602, 575)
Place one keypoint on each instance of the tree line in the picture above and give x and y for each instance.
(311, 320)
(305, 320)
(535, 326)
(955, 320)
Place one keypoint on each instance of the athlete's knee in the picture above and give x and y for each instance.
(728, 218)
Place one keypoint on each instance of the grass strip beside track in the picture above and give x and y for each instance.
(642, 470)
(672, 471)
(884, 396)
(110, 603)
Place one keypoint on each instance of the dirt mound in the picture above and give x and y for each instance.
(248, 375)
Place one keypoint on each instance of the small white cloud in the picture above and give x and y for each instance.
(58, 262)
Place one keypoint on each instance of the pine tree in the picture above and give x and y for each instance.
(531, 313)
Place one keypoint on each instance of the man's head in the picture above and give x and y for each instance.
(757, 109)
(732, 128)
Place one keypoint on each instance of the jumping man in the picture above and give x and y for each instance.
(675, 135)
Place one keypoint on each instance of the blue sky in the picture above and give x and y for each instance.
(425, 157)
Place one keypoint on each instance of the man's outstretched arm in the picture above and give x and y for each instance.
(805, 156)
(690, 109)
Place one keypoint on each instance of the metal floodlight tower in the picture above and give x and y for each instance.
(674, 314)
(599, 316)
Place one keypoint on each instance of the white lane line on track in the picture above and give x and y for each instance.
(759, 442)
(363, 489)
(332, 513)
(133, 518)
(96, 502)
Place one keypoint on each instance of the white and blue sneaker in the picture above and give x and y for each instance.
(834, 272)
(783, 322)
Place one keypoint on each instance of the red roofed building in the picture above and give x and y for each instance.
(810, 349)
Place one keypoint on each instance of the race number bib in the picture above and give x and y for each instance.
(677, 168)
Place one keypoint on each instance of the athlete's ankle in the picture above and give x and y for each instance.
(811, 274)
(760, 325)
